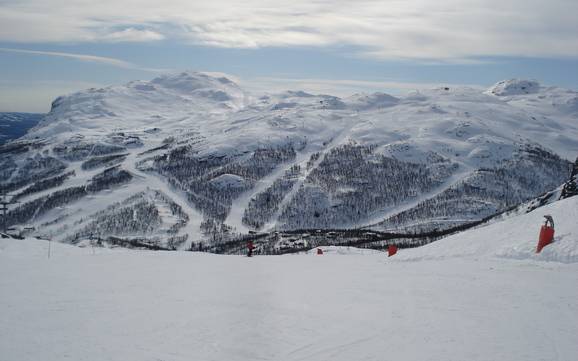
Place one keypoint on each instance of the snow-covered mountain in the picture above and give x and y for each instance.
(190, 158)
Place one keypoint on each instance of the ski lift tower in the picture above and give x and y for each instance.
(5, 201)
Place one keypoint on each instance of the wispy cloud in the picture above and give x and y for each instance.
(84, 57)
(133, 35)
(424, 30)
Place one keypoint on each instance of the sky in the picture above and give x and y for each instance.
(54, 47)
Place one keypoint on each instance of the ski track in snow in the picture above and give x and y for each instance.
(480, 295)
(467, 126)
(452, 180)
(240, 204)
(235, 217)
(192, 228)
(142, 305)
(335, 141)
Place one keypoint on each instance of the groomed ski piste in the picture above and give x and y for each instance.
(480, 295)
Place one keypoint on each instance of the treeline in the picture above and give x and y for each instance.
(80, 150)
(570, 187)
(31, 169)
(16, 147)
(37, 207)
(109, 177)
(529, 173)
(216, 232)
(136, 216)
(305, 239)
(264, 205)
(352, 182)
(192, 173)
(106, 160)
(44, 184)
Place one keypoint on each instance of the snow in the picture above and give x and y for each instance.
(229, 181)
(469, 127)
(515, 87)
(479, 295)
(131, 305)
(514, 238)
(192, 228)
(232, 120)
(344, 251)
(168, 99)
(371, 101)
(338, 139)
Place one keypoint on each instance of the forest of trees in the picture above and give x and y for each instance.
(570, 187)
(110, 177)
(263, 207)
(352, 182)
(192, 173)
(136, 217)
(28, 170)
(43, 185)
(103, 161)
(530, 172)
(81, 150)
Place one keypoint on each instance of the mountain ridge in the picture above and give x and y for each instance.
(229, 162)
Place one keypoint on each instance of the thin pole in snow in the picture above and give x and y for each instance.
(49, 243)
(92, 242)
(4, 202)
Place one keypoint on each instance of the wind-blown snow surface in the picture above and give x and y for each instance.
(225, 162)
(477, 305)
(514, 238)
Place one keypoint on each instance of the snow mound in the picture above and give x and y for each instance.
(339, 250)
(513, 238)
(166, 100)
(515, 87)
(229, 181)
(36, 248)
(571, 105)
(199, 84)
(371, 101)
(295, 94)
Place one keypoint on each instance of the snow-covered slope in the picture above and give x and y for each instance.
(515, 237)
(86, 304)
(203, 160)
(173, 101)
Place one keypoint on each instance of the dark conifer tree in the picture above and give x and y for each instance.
(571, 187)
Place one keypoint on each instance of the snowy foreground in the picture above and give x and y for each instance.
(492, 302)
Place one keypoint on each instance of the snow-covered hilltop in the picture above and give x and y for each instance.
(189, 158)
(167, 100)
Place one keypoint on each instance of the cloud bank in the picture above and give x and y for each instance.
(424, 30)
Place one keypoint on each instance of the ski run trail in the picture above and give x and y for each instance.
(480, 295)
(332, 143)
(192, 228)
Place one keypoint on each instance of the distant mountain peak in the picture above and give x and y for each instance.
(376, 100)
(515, 87)
(189, 81)
(197, 160)
(176, 95)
